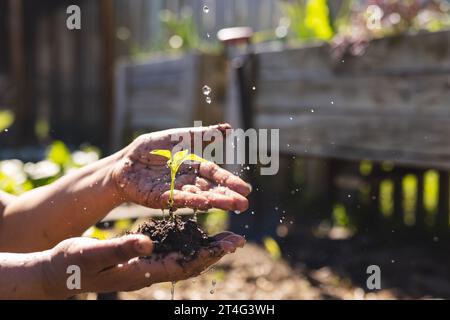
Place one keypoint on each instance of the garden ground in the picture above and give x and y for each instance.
(320, 268)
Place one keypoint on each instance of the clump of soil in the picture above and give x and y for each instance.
(176, 235)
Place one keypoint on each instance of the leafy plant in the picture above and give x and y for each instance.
(181, 27)
(17, 177)
(309, 19)
(6, 119)
(173, 163)
(378, 18)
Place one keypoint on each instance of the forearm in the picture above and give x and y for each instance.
(39, 219)
(22, 276)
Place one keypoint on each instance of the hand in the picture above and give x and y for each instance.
(144, 178)
(115, 265)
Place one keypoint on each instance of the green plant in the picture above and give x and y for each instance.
(17, 177)
(6, 119)
(173, 163)
(309, 19)
(182, 30)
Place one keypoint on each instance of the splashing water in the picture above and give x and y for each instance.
(205, 9)
(206, 90)
(213, 283)
(195, 215)
(172, 291)
(208, 100)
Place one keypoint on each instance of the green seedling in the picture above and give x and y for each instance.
(173, 163)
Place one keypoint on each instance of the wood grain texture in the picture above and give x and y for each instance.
(391, 104)
(166, 93)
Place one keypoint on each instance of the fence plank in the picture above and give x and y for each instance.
(390, 104)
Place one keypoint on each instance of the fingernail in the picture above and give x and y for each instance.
(227, 247)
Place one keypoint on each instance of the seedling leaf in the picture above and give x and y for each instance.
(164, 153)
(174, 163)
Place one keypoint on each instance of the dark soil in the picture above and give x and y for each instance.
(176, 235)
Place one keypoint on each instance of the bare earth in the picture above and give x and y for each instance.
(251, 273)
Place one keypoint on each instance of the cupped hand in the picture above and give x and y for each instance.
(117, 264)
(144, 178)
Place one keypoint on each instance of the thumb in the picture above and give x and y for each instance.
(119, 250)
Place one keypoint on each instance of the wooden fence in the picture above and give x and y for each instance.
(167, 93)
(141, 18)
(388, 106)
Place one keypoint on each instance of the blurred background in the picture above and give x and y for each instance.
(358, 88)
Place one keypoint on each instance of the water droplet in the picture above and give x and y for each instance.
(206, 90)
(172, 291)
(276, 208)
(246, 226)
(6, 130)
(213, 282)
(291, 118)
(205, 9)
(147, 275)
(253, 88)
(208, 100)
(253, 212)
(211, 291)
(237, 211)
(349, 195)
(332, 102)
(312, 110)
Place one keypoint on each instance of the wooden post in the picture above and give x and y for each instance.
(107, 32)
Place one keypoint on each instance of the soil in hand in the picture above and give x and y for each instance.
(176, 235)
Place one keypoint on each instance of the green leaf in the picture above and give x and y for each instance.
(272, 247)
(59, 153)
(196, 158)
(163, 153)
(6, 119)
(179, 158)
(174, 164)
